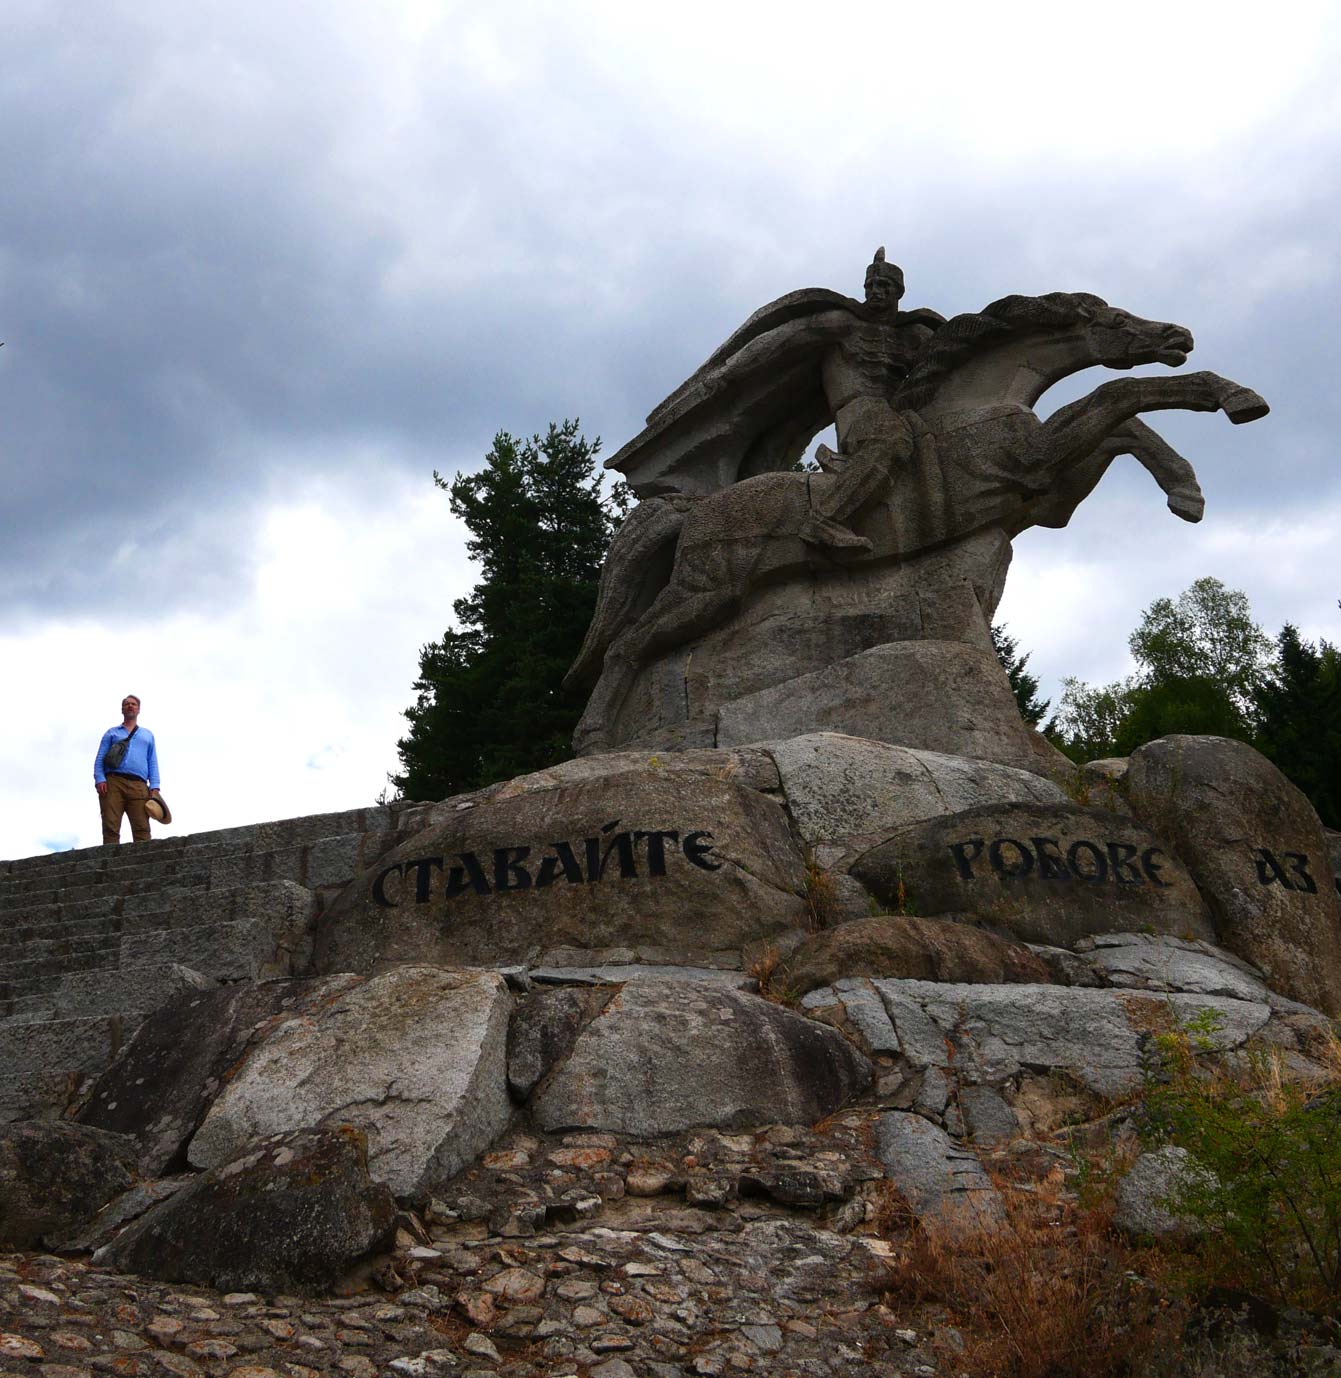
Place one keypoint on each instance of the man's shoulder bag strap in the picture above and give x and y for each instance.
(116, 753)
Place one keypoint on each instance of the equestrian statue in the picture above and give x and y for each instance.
(938, 448)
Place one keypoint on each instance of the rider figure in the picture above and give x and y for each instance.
(860, 373)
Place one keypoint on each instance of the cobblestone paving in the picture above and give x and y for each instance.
(709, 1254)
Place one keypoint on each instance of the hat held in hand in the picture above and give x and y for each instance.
(157, 809)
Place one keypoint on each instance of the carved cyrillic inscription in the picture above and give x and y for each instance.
(1289, 869)
(1118, 863)
(627, 854)
(1094, 863)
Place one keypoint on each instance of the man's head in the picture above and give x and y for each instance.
(884, 283)
(130, 707)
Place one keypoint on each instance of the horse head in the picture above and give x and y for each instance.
(1120, 340)
(1012, 351)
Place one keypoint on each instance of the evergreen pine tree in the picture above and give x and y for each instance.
(1299, 719)
(1023, 685)
(489, 699)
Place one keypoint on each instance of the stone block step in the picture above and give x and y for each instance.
(278, 902)
(325, 861)
(14, 975)
(64, 1046)
(200, 926)
(36, 915)
(56, 890)
(245, 950)
(50, 930)
(122, 990)
(372, 819)
(37, 949)
(36, 1095)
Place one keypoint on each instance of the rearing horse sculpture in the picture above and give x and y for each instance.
(957, 449)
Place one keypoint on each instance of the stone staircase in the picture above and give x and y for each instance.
(95, 939)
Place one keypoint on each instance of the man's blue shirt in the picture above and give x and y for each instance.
(141, 757)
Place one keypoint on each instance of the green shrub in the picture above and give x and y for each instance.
(1270, 1195)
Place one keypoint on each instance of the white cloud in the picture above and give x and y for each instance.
(258, 260)
(1074, 596)
(310, 670)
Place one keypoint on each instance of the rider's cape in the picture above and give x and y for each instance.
(727, 422)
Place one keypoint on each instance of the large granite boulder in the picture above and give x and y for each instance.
(673, 1055)
(785, 631)
(943, 1183)
(1257, 852)
(159, 1088)
(1149, 1189)
(944, 696)
(750, 766)
(545, 1027)
(920, 949)
(291, 1215)
(415, 1058)
(55, 1177)
(1145, 961)
(1043, 873)
(647, 857)
(990, 1034)
(849, 793)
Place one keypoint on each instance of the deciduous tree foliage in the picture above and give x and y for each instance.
(1206, 668)
(1199, 660)
(1207, 633)
(489, 703)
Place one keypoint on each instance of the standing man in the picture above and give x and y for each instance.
(124, 785)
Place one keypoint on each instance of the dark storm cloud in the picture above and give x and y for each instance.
(246, 248)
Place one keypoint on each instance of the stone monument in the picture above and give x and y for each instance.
(594, 1053)
(744, 601)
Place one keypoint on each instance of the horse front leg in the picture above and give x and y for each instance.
(1075, 431)
(1174, 474)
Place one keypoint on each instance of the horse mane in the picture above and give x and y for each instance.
(963, 336)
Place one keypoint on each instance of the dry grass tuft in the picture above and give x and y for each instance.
(821, 896)
(1055, 1294)
(771, 972)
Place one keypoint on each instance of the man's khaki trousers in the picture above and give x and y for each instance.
(125, 794)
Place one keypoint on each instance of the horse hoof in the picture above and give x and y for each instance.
(1242, 405)
(1188, 504)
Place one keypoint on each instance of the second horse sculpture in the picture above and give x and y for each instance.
(738, 605)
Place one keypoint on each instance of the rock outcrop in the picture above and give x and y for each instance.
(1257, 852)
(415, 1059)
(292, 1214)
(665, 1056)
(1042, 873)
(673, 860)
(505, 1057)
(921, 949)
(54, 1178)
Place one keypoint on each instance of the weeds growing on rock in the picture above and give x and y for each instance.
(1054, 1294)
(821, 896)
(1270, 1195)
(770, 971)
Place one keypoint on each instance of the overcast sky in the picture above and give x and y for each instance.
(264, 266)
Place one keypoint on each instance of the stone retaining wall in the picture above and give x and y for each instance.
(98, 937)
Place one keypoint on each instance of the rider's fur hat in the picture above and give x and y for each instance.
(879, 268)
